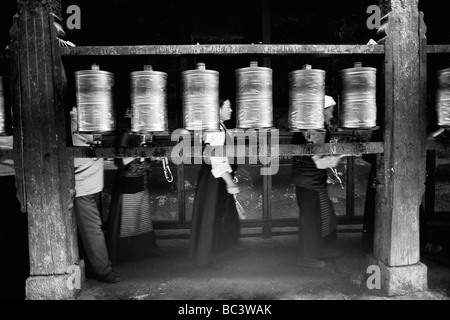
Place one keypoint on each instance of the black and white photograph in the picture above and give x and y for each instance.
(223, 158)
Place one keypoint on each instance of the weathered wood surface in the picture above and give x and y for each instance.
(438, 48)
(350, 187)
(430, 191)
(401, 171)
(18, 147)
(39, 144)
(285, 150)
(272, 49)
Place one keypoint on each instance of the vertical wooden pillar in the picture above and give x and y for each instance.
(401, 170)
(430, 192)
(44, 173)
(267, 179)
(350, 186)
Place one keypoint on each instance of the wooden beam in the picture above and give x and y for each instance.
(18, 148)
(402, 171)
(39, 145)
(222, 49)
(430, 191)
(350, 188)
(285, 150)
(438, 48)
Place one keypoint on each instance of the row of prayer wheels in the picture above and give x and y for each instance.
(200, 99)
(94, 97)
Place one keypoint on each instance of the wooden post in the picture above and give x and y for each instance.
(44, 172)
(430, 191)
(401, 171)
(350, 186)
(267, 179)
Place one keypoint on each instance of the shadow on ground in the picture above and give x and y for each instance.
(259, 270)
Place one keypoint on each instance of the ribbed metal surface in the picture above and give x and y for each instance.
(306, 99)
(358, 108)
(148, 101)
(443, 98)
(200, 99)
(2, 109)
(254, 97)
(95, 101)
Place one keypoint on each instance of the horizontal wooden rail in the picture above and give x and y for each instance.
(438, 48)
(284, 150)
(267, 49)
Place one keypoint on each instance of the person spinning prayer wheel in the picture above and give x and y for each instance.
(318, 220)
(215, 218)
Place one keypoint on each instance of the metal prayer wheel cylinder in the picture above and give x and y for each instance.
(254, 106)
(200, 99)
(148, 101)
(358, 108)
(443, 98)
(306, 99)
(95, 100)
(2, 110)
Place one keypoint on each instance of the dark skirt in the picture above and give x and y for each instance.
(130, 225)
(318, 220)
(215, 224)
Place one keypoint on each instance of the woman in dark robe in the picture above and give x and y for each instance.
(215, 222)
(318, 220)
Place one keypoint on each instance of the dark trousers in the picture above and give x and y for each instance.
(89, 224)
(310, 221)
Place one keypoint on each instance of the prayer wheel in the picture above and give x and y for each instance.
(443, 98)
(148, 101)
(306, 99)
(95, 100)
(200, 99)
(358, 108)
(254, 97)
(2, 110)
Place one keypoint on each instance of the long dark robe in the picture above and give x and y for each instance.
(318, 220)
(215, 224)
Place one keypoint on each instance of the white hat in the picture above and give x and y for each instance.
(329, 102)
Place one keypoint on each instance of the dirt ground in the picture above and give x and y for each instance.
(259, 270)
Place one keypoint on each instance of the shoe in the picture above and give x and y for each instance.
(110, 277)
(328, 253)
(430, 248)
(310, 263)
